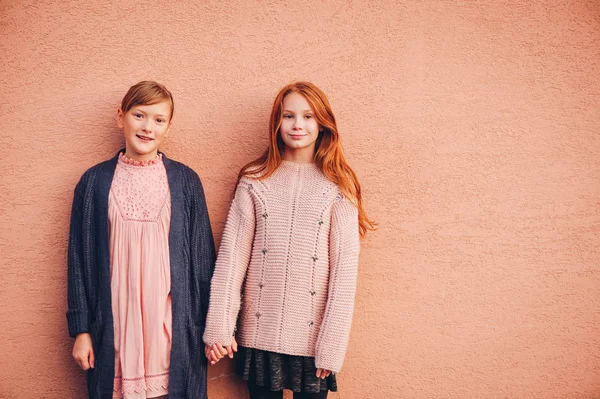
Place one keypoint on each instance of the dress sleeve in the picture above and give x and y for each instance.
(344, 247)
(232, 262)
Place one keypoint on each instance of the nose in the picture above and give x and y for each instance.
(297, 124)
(148, 126)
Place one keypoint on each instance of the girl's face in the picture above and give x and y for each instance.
(144, 128)
(299, 128)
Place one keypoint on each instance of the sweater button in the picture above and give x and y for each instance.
(250, 187)
(313, 292)
(320, 222)
(264, 251)
(310, 323)
(261, 285)
(258, 315)
(265, 215)
(314, 258)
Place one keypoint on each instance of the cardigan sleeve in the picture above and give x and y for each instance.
(78, 314)
(202, 245)
(232, 262)
(344, 247)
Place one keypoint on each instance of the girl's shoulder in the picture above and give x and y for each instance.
(245, 180)
(192, 183)
(179, 168)
(184, 169)
(248, 184)
(90, 176)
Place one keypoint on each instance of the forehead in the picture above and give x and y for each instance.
(161, 108)
(296, 101)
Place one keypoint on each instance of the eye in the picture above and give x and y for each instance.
(160, 120)
(138, 115)
(288, 116)
(308, 116)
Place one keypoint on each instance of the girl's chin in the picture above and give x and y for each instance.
(142, 147)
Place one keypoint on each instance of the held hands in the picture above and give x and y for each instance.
(83, 352)
(216, 352)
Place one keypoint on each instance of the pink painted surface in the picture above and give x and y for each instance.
(473, 126)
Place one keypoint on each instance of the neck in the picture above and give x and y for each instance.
(299, 155)
(140, 157)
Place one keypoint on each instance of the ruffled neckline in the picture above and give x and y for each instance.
(133, 162)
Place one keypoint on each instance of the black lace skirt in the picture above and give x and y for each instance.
(278, 371)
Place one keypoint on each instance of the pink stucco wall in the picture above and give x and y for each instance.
(472, 124)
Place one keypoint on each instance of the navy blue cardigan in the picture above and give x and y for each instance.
(192, 259)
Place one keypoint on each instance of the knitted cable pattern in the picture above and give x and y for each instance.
(287, 266)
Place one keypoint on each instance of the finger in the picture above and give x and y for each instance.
(327, 373)
(229, 352)
(85, 364)
(214, 357)
(222, 349)
(234, 345)
(319, 373)
(214, 352)
(92, 359)
(218, 351)
(207, 351)
(213, 349)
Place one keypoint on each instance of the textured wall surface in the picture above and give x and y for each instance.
(473, 126)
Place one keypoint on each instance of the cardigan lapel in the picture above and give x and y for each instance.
(179, 278)
(104, 183)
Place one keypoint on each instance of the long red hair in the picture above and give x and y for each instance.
(329, 155)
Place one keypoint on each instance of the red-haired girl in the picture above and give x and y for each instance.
(286, 271)
(141, 255)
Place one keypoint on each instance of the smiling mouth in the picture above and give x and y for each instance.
(144, 138)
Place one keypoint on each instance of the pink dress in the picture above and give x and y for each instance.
(139, 213)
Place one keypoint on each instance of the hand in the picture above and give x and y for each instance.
(322, 373)
(216, 352)
(233, 347)
(83, 352)
(211, 355)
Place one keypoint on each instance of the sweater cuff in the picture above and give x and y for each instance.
(210, 339)
(77, 321)
(331, 364)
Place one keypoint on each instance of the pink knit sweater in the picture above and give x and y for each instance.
(287, 266)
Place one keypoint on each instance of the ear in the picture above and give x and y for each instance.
(120, 116)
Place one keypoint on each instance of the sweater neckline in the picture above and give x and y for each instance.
(311, 165)
(133, 162)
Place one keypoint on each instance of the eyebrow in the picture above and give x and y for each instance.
(305, 111)
(145, 113)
